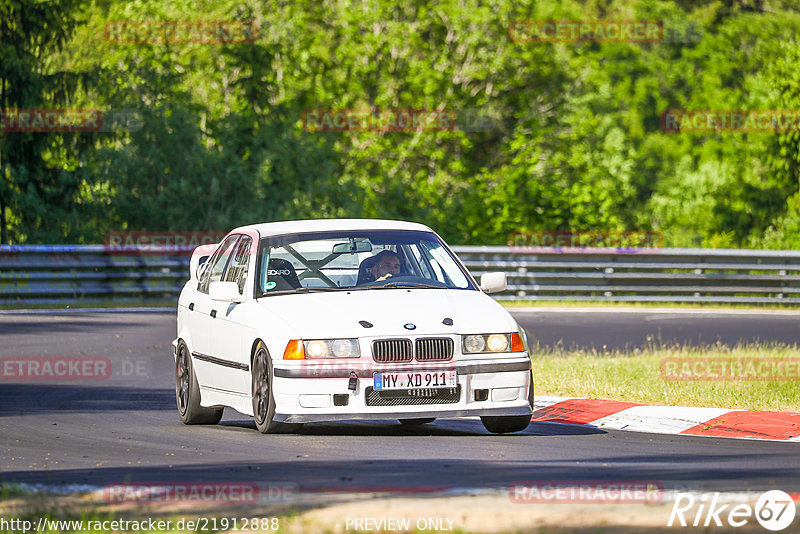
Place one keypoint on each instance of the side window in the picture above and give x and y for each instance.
(217, 264)
(237, 270)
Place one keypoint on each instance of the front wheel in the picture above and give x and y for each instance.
(263, 399)
(187, 393)
(506, 424)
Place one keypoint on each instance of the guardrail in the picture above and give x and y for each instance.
(66, 274)
(642, 275)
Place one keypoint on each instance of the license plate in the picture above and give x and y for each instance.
(414, 380)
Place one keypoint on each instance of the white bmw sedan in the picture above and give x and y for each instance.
(324, 320)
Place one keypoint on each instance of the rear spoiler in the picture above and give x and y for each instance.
(199, 260)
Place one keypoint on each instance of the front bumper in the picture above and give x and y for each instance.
(306, 394)
(312, 418)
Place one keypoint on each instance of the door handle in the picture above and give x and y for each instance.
(191, 306)
(214, 313)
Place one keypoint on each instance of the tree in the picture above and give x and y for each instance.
(37, 186)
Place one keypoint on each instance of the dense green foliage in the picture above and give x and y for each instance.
(574, 140)
(38, 182)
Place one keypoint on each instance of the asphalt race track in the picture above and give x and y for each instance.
(124, 427)
(601, 328)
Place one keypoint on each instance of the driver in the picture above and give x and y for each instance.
(386, 265)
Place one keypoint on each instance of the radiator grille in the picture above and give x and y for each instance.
(392, 350)
(434, 349)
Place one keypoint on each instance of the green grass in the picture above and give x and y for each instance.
(635, 376)
(9, 490)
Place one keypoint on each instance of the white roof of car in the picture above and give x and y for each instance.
(321, 225)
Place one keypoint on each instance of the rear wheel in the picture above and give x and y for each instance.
(263, 399)
(505, 424)
(187, 392)
(417, 421)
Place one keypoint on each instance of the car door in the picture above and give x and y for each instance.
(202, 317)
(229, 333)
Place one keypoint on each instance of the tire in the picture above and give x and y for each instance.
(417, 421)
(263, 399)
(506, 424)
(187, 392)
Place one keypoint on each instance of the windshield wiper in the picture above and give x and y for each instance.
(394, 285)
(301, 290)
(312, 289)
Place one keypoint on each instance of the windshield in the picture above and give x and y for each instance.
(356, 260)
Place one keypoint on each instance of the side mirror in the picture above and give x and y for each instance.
(225, 292)
(202, 263)
(199, 260)
(493, 282)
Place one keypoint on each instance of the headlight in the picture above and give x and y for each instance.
(474, 343)
(497, 342)
(316, 349)
(332, 348)
(489, 343)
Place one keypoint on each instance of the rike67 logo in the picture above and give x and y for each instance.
(774, 510)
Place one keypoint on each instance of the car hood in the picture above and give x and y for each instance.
(332, 315)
